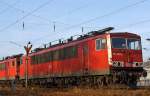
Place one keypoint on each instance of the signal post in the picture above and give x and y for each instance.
(27, 49)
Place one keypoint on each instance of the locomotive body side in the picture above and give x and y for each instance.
(9, 68)
(3, 72)
(110, 55)
(77, 58)
(25, 67)
(98, 55)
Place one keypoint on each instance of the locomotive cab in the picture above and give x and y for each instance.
(126, 51)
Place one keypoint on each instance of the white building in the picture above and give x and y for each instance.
(145, 81)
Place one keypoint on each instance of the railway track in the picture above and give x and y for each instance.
(75, 91)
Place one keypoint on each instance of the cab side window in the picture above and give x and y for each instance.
(13, 63)
(100, 44)
(2, 66)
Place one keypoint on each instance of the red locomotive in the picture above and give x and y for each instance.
(9, 68)
(98, 57)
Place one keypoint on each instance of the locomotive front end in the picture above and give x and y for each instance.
(126, 51)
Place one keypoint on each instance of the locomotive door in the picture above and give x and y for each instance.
(85, 58)
(7, 70)
(17, 67)
(50, 64)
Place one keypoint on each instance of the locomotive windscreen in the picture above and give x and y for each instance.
(118, 43)
(134, 44)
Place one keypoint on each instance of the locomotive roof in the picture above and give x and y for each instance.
(125, 35)
(85, 37)
(80, 38)
(11, 57)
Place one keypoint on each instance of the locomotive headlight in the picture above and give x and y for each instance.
(117, 64)
(137, 64)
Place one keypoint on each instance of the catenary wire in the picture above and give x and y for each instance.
(6, 9)
(98, 17)
(106, 15)
(133, 24)
(28, 14)
(37, 16)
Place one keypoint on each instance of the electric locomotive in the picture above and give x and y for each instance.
(96, 58)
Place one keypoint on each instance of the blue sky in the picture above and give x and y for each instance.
(68, 16)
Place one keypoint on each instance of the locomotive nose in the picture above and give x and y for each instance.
(126, 58)
(134, 58)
